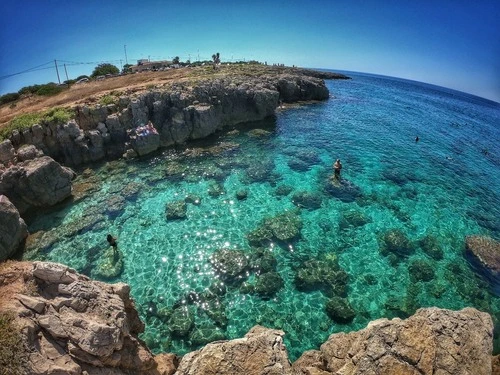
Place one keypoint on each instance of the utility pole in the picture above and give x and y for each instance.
(125, 48)
(198, 55)
(57, 71)
(121, 68)
(67, 79)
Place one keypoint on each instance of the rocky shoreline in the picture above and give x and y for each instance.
(70, 324)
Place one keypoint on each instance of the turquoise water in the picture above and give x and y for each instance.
(434, 193)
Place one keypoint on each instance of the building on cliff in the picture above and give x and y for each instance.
(145, 65)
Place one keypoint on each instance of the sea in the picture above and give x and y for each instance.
(384, 239)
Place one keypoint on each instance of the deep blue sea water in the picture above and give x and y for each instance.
(433, 193)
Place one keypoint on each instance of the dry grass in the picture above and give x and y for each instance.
(13, 358)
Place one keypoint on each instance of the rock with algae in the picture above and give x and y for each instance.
(323, 274)
(282, 227)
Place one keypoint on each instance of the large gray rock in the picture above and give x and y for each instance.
(146, 143)
(40, 182)
(13, 229)
(28, 152)
(260, 352)
(7, 151)
(433, 341)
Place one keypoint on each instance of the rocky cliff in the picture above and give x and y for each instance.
(180, 113)
(70, 324)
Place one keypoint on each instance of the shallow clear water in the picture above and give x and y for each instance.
(441, 189)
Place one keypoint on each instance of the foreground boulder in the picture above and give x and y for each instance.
(41, 182)
(433, 341)
(13, 229)
(261, 351)
(73, 324)
(484, 253)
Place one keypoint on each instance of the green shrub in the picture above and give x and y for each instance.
(46, 89)
(103, 69)
(49, 89)
(9, 98)
(13, 358)
(108, 99)
(55, 116)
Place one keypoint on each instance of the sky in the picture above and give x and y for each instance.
(450, 43)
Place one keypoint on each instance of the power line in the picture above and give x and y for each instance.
(26, 71)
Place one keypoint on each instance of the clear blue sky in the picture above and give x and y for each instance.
(451, 43)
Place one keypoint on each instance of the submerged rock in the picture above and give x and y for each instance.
(181, 321)
(322, 274)
(343, 190)
(205, 334)
(216, 190)
(283, 190)
(420, 270)
(242, 194)
(260, 172)
(230, 265)
(216, 311)
(193, 199)
(176, 210)
(339, 310)
(268, 284)
(484, 252)
(110, 265)
(282, 227)
(298, 165)
(353, 219)
(257, 133)
(262, 261)
(306, 199)
(395, 242)
(175, 170)
(430, 246)
(115, 205)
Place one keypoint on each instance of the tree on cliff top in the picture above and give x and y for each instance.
(103, 69)
(216, 59)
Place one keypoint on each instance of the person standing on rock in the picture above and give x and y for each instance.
(337, 167)
(112, 241)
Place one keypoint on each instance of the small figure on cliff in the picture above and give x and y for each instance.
(112, 241)
(337, 167)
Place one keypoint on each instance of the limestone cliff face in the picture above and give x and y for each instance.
(73, 325)
(178, 114)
